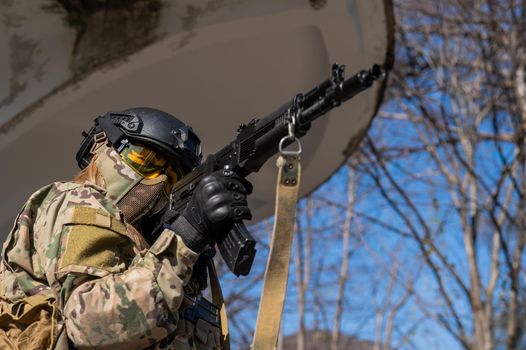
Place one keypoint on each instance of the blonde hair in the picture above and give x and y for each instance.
(91, 174)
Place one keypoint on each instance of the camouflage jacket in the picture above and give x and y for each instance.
(113, 290)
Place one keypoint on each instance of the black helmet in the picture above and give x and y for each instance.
(153, 127)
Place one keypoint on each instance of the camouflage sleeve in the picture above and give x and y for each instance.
(135, 308)
(111, 295)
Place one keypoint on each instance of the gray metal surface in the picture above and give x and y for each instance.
(214, 66)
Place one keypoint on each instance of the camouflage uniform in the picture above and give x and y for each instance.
(113, 291)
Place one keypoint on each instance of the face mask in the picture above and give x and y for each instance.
(144, 198)
(134, 195)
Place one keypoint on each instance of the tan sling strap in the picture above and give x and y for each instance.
(277, 270)
(217, 299)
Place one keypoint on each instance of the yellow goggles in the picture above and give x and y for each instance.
(149, 163)
(146, 162)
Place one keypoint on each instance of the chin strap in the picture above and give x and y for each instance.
(277, 270)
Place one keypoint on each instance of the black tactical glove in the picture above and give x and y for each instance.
(218, 201)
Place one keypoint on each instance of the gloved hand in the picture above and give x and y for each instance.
(218, 201)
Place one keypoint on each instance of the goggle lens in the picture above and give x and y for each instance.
(146, 162)
(150, 164)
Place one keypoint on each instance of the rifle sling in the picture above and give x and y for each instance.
(217, 299)
(277, 270)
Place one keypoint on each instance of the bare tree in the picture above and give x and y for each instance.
(433, 205)
(453, 168)
(344, 267)
(302, 263)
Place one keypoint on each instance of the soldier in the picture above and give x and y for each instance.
(80, 255)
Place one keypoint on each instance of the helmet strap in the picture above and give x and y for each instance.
(98, 140)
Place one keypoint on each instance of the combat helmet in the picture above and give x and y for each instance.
(157, 129)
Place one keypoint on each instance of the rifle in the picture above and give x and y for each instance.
(254, 144)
